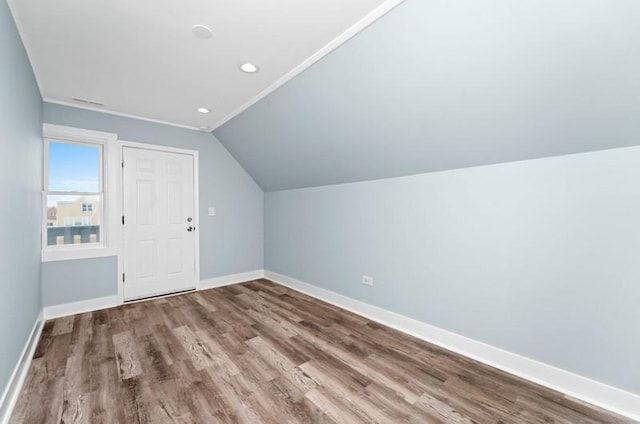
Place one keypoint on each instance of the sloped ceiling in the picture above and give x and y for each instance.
(443, 84)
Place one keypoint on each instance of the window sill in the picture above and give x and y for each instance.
(82, 253)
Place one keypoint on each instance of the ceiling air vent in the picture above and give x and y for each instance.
(87, 101)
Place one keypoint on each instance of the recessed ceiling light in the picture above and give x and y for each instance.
(203, 110)
(249, 68)
(202, 31)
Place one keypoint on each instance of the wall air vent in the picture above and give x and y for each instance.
(87, 101)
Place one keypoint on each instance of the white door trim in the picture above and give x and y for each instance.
(120, 205)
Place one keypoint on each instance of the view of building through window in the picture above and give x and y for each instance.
(74, 193)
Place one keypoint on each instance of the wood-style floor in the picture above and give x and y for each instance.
(258, 352)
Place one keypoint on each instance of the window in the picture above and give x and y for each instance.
(75, 199)
(74, 176)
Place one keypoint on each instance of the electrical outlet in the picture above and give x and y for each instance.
(212, 211)
(367, 281)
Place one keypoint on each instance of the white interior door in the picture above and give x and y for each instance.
(159, 226)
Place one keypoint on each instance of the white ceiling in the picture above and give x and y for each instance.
(140, 58)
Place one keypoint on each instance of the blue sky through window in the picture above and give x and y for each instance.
(73, 167)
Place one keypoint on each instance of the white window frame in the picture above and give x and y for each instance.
(109, 177)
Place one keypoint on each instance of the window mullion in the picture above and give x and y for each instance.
(74, 193)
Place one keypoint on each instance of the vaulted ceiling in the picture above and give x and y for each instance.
(432, 85)
(443, 84)
(141, 57)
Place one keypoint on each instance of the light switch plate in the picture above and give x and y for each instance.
(212, 211)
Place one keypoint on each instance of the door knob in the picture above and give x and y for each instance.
(190, 228)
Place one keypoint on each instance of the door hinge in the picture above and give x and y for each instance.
(122, 219)
(122, 163)
(123, 277)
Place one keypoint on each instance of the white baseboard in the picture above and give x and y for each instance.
(573, 385)
(89, 305)
(11, 392)
(227, 280)
(582, 388)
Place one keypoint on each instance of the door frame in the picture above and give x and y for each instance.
(120, 208)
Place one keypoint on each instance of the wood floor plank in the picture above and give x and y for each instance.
(441, 410)
(200, 356)
(55, 360)
(281, 363)
(332, 407)
(347, 391)
(405, 412)
(76, 400)
(40, 398)
(46, 338)
(287, 398)
(126, 355)
(221, 363)
(63, 325)
(237, 399)
(262, 353)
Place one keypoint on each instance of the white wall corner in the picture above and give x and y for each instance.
(227, 280)
(19, 375)
(573, 385)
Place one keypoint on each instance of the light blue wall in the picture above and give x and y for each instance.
(72, 281)
(537, 257)
(231, 242)
(445, 84)
(20, 181)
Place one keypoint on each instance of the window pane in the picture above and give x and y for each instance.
(74, 167)
(73, 220)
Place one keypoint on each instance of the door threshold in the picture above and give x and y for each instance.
(141, 299)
